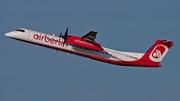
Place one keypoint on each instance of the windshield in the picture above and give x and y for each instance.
(20, 30)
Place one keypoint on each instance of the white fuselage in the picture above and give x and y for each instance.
(54, 42)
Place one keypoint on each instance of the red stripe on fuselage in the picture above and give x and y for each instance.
(139, 63)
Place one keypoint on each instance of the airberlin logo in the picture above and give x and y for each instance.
(83, 42)
(158, 53)
(48, 39)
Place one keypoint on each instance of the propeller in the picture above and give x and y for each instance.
(64, 36)
(66, 33)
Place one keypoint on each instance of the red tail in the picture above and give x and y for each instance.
(157, 52)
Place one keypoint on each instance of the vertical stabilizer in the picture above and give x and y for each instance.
(158, 51)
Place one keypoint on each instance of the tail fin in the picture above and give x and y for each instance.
(157, 52)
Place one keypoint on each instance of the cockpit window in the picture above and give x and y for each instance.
(21, 30)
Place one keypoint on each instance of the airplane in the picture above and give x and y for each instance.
(86, 46)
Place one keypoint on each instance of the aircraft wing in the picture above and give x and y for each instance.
(90, 37)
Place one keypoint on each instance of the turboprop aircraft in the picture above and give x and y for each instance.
(86, 46)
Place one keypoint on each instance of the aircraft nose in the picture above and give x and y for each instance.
(10, 34)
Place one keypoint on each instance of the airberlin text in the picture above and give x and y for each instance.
(45, 38)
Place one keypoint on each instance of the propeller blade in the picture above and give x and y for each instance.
(60, 35)
(66, 33)
(65, 39)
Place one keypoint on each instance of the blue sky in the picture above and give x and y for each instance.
(30, 73)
